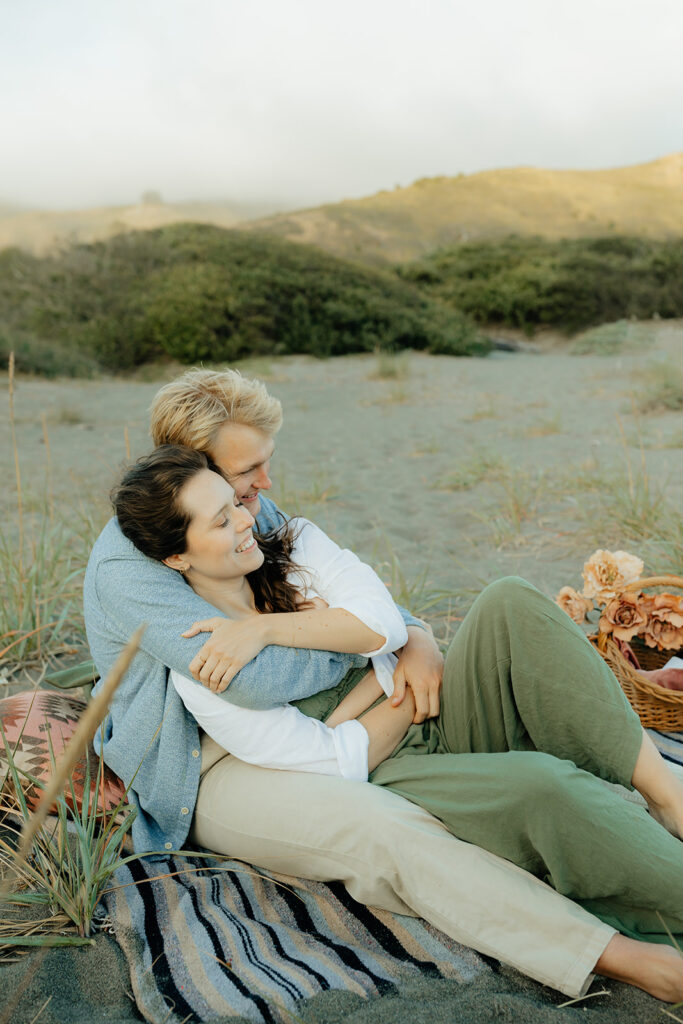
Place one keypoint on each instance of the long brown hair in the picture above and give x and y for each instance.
(147, 506)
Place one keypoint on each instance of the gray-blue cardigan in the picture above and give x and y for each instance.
(148, 738)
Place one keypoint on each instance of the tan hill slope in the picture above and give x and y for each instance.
(408, 222)
(43, 230)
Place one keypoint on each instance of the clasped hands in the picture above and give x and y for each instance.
(234, 643)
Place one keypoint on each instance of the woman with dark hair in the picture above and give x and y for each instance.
(532, 719)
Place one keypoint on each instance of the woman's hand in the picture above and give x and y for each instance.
(420, 666)
(231, 646)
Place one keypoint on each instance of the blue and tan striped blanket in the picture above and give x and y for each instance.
(210, 940)
(207, 944)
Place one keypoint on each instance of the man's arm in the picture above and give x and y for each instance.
(132, 589)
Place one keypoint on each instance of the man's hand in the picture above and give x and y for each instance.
(231, 646)
(420, 666)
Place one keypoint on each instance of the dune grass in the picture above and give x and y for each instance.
(391, 366)
(660, 388)
(482, 465)
(42, 559)
(61, 867)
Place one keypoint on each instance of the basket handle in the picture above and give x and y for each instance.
(655, 581)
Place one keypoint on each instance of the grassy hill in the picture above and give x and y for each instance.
(406, 223)
(197, 292)
(42, 231)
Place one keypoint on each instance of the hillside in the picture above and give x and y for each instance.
(407, 223)
(41, 231)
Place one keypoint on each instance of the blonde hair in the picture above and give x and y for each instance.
(191, 409)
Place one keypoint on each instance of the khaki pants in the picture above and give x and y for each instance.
(391, 854)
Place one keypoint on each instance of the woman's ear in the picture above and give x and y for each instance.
(176, 562)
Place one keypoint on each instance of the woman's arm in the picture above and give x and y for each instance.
(339, 576)
(239, 641)
(284, 738)
(279, 737)
(386, 726)
(362, 617)
(360, 699)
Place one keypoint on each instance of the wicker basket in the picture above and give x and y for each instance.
(657, 708)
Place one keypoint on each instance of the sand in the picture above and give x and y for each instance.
(463, 471)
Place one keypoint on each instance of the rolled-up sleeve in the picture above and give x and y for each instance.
(339, 576)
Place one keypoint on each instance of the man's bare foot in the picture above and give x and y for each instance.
(656, 969)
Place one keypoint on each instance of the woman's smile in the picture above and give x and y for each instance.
(247, 545)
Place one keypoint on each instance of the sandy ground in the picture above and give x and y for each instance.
(462, 470)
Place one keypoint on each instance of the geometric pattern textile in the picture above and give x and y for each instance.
(37, 725)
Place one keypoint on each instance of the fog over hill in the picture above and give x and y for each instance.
(405, 223)
(41, 231)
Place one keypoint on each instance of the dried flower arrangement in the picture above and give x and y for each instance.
(611, 581)
(653, 622)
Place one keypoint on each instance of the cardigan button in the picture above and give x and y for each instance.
(184, 810)
(195, 753)
(168, 846)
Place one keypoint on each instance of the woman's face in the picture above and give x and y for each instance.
(220, 544)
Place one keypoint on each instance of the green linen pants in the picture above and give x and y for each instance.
(531, 721)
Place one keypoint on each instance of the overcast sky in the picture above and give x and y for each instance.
(311, 100)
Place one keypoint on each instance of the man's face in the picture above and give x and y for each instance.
(244, 454)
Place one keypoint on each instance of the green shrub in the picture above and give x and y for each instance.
(196, 292)
(570, 284)
(44, 358)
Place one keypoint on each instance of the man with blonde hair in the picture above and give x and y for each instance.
(389, 853)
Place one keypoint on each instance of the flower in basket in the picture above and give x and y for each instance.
(625, 616)
(664, 628)
(574, 604)
(606, 573)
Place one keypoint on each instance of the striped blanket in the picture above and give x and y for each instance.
(670, 745)
(206, 943)
(208, 940)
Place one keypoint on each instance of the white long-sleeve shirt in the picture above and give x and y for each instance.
(283, 737)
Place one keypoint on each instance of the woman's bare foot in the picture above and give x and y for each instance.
(656, 969)
(662, 790)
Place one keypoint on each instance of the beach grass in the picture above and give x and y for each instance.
(660, 388)
(42, 559)
(60, 866)
(390, 365)
(483, 464)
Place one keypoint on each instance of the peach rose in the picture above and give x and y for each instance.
(606, 573)
(664, 629)
(576, 606)
(624, 616)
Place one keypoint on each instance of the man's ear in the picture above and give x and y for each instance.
(176, 562)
